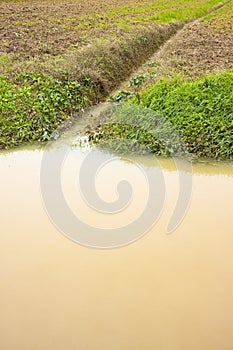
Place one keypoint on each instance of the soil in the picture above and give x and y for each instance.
(35, 28)
(200, 48)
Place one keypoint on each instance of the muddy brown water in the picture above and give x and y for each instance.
(164, 292)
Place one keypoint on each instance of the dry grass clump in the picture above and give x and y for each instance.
(108, 63)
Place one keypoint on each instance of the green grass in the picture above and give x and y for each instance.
(222, 12)
(185, 13)
(200, 112)
(154, 7)
(164, 11)
(33, 107)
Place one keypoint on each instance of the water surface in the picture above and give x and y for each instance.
(163, 292)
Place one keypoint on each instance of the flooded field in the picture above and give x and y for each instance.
(164, 292)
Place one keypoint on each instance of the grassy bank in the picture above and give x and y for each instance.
(195, 117)
(49, 70)
(34, 105)
(35, 98)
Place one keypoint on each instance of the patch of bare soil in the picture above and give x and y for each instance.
(33, 28)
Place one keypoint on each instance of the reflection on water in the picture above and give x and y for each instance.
(162, 292)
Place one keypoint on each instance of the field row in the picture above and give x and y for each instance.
(32, 28)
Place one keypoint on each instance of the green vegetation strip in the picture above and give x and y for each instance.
(200, 112)
(33, 107)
